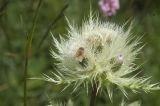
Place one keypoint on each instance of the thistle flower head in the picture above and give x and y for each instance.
(98, 52)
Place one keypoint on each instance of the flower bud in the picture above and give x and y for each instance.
(116, 62)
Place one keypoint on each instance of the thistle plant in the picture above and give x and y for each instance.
(99, 55)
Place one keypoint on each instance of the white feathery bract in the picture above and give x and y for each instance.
(98, 52)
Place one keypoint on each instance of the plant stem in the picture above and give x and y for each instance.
(52, 24)
(27, 51)
(93, 95)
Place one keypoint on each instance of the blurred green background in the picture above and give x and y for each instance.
(16, 19)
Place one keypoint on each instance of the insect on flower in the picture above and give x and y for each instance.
(80, 54)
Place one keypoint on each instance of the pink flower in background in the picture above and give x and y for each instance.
(109, 7)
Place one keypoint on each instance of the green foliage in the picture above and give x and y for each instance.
(16, 19)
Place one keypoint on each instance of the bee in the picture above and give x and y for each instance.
(80, 54)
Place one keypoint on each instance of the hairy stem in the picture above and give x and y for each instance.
(52, 24)
(27, 51)
(93, 95)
